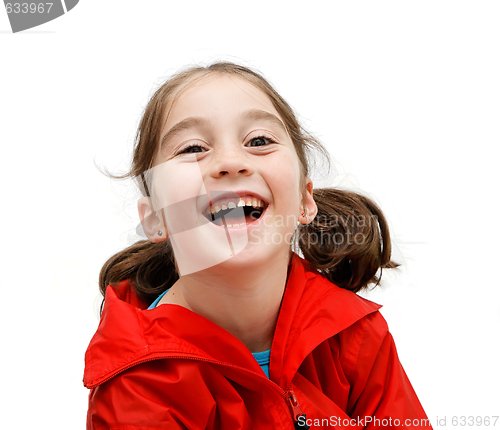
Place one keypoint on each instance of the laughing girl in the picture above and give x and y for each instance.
(240, 310)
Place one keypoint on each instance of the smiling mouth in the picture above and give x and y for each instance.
(236, 215)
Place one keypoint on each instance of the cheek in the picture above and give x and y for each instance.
(284, 176)
(175, 183)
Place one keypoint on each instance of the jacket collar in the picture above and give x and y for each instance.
(312, 310)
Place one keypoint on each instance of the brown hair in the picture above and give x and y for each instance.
(348, 241)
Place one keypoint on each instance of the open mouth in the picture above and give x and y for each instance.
(245, 210)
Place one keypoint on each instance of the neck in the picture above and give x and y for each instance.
(244, 299)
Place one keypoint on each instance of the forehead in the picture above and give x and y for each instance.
(217, 96)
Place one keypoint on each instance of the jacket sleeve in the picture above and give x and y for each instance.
(382, 396)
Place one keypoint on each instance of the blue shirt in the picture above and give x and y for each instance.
(262, 357)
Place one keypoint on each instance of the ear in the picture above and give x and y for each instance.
(152, 222)
(308, 203)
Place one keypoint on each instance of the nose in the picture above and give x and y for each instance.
(230, 162)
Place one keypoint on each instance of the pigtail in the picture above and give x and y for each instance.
(150, 267)
(348, 240)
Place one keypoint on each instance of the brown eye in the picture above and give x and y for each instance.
(190, 149)
(262, 140)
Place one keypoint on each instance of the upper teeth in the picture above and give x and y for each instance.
(232, 203)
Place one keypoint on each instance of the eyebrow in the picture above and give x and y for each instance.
(196, 121)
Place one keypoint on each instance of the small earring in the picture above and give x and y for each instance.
(160, 233)
(302, 213)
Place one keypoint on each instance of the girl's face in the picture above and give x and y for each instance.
(224, 150)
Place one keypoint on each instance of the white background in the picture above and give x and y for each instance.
(405, 95)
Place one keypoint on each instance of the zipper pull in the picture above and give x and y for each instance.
(299, 417)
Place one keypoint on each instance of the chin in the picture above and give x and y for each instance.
(255, 256)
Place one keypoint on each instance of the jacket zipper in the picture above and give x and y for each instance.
(288, 394)
(299, 417)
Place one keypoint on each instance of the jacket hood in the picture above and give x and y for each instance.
(312, 310)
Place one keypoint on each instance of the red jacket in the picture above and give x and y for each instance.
(332, 358)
